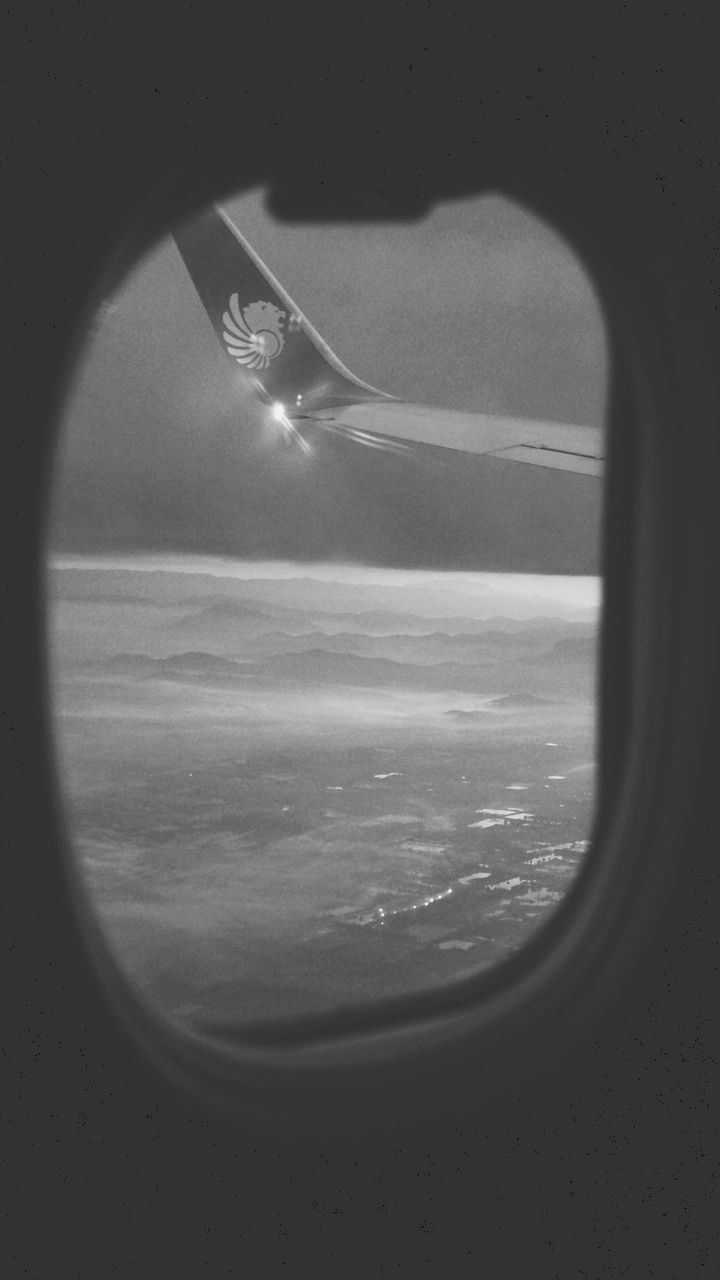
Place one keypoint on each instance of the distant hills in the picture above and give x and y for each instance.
(521, 701)
(430, 600)
(228, 623)
(432, 596)
(318, 667)
(457, 714)
(225, 607)
(309, 668)
(63, 592)
(177, 665)
(308, 632)
(572, 649)
(507, 702)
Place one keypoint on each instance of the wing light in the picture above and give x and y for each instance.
(289, 430)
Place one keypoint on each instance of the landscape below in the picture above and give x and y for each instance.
(288, 796)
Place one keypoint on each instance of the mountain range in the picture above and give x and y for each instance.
(317, 667)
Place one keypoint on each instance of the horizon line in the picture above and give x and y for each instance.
(574, 591)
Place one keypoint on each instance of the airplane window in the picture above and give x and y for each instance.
(323, 572)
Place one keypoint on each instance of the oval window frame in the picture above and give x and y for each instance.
(528, 1012)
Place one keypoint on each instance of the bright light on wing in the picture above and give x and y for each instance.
(290, 431)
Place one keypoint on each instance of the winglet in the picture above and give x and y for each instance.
(257, 323)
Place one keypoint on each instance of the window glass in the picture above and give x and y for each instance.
(323, 669)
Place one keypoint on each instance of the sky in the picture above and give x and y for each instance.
(479, 306)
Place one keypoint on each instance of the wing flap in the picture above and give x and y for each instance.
(559, 460)
(559, 446)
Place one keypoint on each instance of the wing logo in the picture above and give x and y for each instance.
(253, 335)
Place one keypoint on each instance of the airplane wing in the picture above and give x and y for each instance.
(548, 473)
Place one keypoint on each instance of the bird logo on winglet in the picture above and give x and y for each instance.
(253, 334)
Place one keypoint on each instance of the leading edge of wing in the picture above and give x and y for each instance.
(397, 426)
